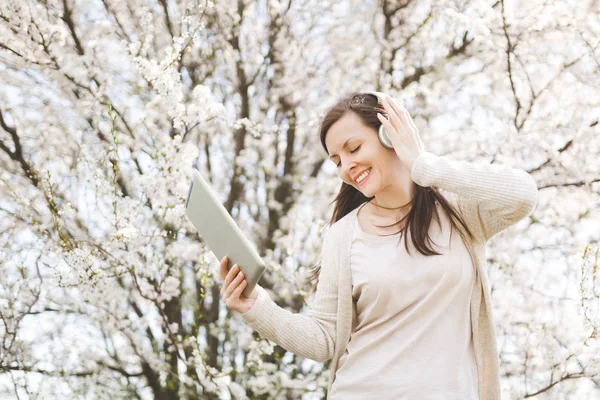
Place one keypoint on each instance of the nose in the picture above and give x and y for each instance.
(348, 170)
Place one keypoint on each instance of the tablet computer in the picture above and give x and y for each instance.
(220, 232)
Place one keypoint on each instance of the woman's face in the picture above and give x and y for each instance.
(363, 152)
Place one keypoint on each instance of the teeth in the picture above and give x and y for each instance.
(363, 176)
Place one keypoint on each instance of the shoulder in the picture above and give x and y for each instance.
(335, 233)
(338, 227)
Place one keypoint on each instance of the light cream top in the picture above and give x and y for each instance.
(413, 334)
(490, 198)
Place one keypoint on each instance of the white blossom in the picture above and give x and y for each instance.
(102, 272)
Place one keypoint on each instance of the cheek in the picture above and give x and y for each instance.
(343, 178)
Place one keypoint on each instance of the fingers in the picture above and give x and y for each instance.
(238, 291)
(234, 282)
(402, 113)
(393, 115)
(232, 290)
(231, 275)
(405, 122)
(387, 125)
(223, 270)
(408, 121)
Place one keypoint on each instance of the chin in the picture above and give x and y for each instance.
(369, 189)
(368, 192)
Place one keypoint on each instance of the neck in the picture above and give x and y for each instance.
(388, 212)
(396, 192)
(395, 197)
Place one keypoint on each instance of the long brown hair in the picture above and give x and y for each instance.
(418, 219)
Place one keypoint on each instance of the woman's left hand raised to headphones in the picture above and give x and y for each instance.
(402, 131)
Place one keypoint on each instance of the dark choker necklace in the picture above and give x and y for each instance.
(387, 208)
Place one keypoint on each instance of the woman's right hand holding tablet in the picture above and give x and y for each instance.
(234, 283)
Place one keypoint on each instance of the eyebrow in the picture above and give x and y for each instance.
(344, 146)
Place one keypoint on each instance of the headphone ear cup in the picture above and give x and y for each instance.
(384, 138)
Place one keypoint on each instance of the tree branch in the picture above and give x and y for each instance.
(68, 18)
(509, 49)
(579, 183)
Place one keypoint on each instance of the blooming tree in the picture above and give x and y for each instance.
(106, 106)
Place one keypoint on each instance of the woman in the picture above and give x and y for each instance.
(398, 322)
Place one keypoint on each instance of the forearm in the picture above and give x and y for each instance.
(509, 193)
(310, 336)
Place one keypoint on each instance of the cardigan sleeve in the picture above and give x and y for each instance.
(495, 196)
(310, 335)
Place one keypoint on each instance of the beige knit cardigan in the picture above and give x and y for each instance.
(489, 197)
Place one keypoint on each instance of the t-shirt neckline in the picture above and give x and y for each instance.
(368, 235)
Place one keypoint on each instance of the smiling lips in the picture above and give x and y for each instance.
(360, 174)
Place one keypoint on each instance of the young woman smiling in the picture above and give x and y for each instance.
(398, 322)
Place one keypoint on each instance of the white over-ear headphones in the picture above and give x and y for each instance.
(383, 136)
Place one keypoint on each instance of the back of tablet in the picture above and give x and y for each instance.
(220, 232)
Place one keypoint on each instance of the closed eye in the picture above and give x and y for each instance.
(353, 151)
